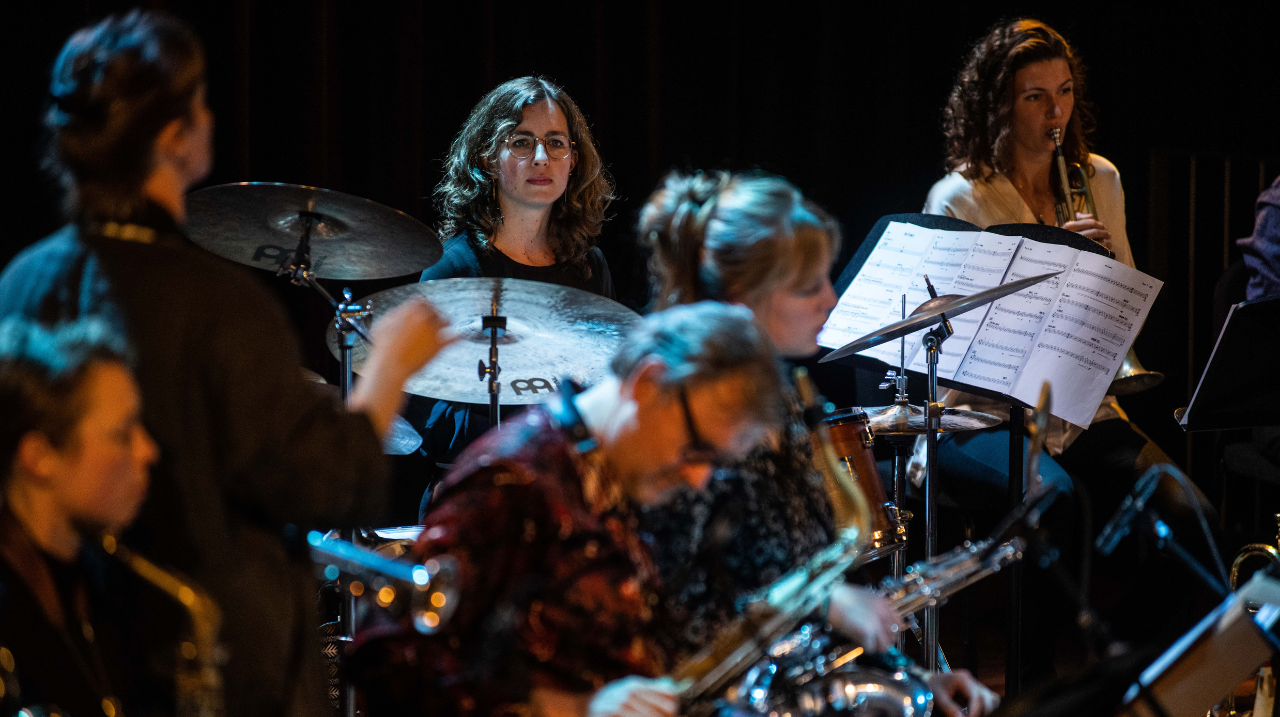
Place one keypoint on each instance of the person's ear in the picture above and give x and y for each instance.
(169, 144)
(645, 383)
(36, 457)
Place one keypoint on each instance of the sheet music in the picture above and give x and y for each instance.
(1072, 330)
(876, 293)
(1000, 349)
(984, 266)
(1093, 322)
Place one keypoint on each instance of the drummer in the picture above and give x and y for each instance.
(523, 197)
(249, 454)
(755, 240)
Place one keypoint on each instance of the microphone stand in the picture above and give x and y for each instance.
(933, 416)
(345, 313)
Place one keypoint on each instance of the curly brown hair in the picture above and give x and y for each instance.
(466, 197)
(732, 237)
(976, 121)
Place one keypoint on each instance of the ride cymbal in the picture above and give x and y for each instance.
(259, 224)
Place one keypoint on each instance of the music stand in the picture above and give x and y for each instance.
(1239, 387)
(1017, 429)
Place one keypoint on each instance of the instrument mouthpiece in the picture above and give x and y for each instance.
(1056, 133)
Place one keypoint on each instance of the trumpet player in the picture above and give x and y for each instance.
(1017, 103)
(76, 459)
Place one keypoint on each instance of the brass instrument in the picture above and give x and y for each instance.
(1131, 377)
(795, 596)
(432, 588)
(1066, 209)
(198, 677)
(1256, 550)
(808, 672)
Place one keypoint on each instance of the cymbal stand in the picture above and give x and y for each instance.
(901, 447)
(345, 313)
(495, 326)
(933, 339)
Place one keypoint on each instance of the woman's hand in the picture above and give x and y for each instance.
(1090, 228)
(635, 697)
(958, 694)
(864, 617)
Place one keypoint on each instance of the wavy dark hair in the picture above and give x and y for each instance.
(977, 121)
(114, 87)
(732, 237)
(466, 197)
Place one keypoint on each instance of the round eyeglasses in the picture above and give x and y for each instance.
(522, 146)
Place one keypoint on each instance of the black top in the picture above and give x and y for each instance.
(449, 427)
(62, 624)
(247, 450)
(757, 519)
(464, 258)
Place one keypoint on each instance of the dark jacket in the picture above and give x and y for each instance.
(248, 453)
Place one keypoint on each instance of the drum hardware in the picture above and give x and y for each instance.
(551, 331)
(346, 315)
(786, 603)
(432, 586)
(198, 675)
(401, 438)
(932, 313)
(495, 326)
(851, 439)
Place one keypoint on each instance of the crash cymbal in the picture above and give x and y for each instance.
(929, 317)
(552, 331)
(259, 224)
(401, 438)
(900, 420)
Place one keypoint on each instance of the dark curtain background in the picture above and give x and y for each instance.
(364, 97)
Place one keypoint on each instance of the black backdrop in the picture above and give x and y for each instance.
(364, 97)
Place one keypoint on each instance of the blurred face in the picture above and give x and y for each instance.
(1043, 99)
(99, 478)
(663, 447)
(199, 155)
(538, 180)
(793, 314)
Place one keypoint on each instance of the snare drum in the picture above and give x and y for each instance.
(853, 442)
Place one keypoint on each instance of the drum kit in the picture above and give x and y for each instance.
(544, 332)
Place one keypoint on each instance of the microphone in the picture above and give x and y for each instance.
(1133, 505)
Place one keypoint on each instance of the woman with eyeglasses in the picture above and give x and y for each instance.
(755, 240)
(523, 197)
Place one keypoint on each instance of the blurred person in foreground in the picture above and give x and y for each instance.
(250, 456)
(557, 593)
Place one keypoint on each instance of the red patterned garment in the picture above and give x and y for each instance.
(556, 589)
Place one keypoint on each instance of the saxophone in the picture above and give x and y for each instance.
(792, 598)
(198, 678)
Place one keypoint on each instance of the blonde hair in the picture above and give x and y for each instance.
(732, 237)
